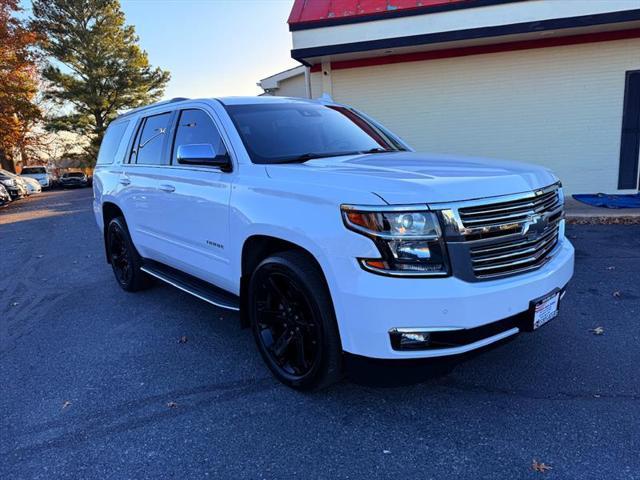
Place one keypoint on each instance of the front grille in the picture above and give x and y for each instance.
(504, 218)
(514, 256)
(503, 236)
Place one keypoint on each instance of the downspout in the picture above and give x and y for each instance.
(307, 81)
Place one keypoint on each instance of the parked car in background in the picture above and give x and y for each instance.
(38, 173)
(33, 185)
(23, 184)
(332, 237)
(73, 179)
(14, 184)
(4, 195)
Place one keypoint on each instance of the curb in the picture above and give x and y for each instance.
(587, 219)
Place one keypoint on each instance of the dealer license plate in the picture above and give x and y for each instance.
(545, 309)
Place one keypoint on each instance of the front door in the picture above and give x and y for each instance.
(193, 221)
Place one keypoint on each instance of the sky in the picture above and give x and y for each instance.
(213, 47)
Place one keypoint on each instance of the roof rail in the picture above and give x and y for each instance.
(145, 107)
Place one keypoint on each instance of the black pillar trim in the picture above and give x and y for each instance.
(630, 136)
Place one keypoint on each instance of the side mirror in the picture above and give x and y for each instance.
(201, 154)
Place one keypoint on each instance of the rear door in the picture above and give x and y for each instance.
(193, 203)
(141, 199)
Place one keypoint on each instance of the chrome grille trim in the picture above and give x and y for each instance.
(502, 236)
(512, 211)
(509, 245)
(531, 248)
(497, 267)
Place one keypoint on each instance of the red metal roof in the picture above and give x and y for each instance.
(304, 11)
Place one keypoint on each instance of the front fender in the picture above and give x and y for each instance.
(300, 215)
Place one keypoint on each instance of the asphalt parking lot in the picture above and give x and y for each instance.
(96, 383)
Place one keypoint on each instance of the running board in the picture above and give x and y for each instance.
(190, 284)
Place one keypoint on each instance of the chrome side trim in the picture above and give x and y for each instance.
(424, 329)
(184, 289)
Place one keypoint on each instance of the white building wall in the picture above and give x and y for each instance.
(560, 107)
(316, 84)
(292, 87)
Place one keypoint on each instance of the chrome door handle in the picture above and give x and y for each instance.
(125, 181)
(167, 188)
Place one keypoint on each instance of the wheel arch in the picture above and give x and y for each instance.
(109, 211)
(256, 248)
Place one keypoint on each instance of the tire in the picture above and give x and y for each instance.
(124, 258)
(293, 321)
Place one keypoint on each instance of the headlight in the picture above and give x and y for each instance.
(409, 239)
(10, 182)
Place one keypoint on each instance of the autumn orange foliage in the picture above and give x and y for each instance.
(18, 82)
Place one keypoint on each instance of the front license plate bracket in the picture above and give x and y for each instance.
(544, 309)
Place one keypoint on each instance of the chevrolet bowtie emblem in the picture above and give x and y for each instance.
(535, 226)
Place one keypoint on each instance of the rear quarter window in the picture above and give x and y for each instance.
(111, 142)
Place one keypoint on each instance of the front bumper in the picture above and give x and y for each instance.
(368, 306)
(74, 184)
(15, 192)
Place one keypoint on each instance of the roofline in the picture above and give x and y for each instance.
(272, 81)
(302, 54)
(295, 25)
(153, 105)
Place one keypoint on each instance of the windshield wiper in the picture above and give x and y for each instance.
(377, 150)
(313, 155)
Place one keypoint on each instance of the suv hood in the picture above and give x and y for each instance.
(411, 177)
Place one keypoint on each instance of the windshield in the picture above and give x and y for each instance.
(286, 132)
(33, 170)
(73, 174)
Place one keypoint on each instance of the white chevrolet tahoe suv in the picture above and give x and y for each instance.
(330, 235)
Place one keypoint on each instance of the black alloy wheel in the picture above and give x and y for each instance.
(293, 322)
(124, 258)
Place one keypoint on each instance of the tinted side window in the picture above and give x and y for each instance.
(151, 140)
(111, 142)
(196, 127)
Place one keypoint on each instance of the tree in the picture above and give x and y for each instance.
(18, 83)
(97, 68)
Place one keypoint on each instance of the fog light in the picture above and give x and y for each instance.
(409, 339)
